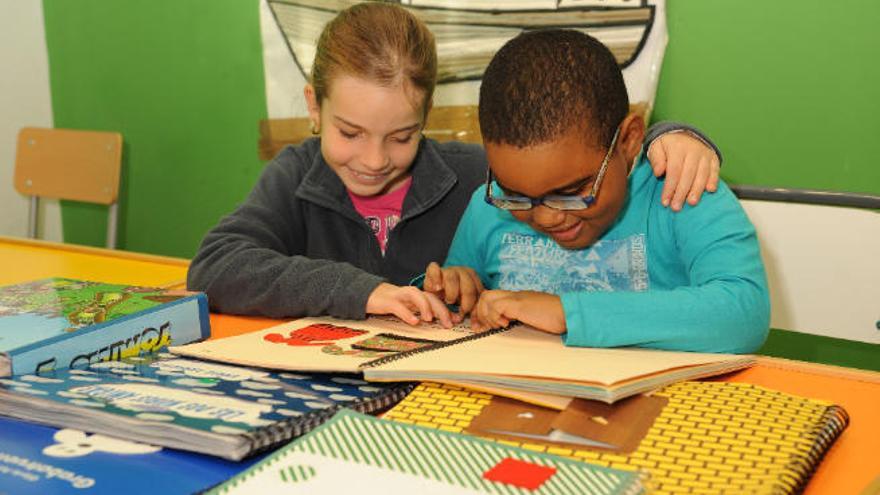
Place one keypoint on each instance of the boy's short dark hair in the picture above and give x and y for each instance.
(544, 83)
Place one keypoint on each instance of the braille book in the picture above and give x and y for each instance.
(710, 437)
(518, 358)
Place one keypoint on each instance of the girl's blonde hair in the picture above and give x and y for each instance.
(379, 42)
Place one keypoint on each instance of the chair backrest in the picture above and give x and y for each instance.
(822, 260)
(69, 164)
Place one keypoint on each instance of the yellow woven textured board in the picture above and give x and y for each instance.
(712, 437)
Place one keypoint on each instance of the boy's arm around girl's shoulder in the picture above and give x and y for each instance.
(724, 307)
(252, 262)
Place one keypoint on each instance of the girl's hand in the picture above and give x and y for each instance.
(454, 284)
(409, 304)
(497, 308)
(690, 166)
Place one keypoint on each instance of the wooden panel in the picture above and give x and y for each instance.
(68, 164)
(454, 123)
(275, 134)
(447, 123)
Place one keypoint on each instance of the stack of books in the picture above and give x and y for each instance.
(505, 411)
(89, 396)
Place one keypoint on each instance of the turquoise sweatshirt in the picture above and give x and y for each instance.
(691, 280)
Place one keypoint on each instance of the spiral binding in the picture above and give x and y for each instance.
(270, 436)
(826, 431)
(439, 345)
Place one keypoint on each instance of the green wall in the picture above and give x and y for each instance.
(789, 89)
(183, 82)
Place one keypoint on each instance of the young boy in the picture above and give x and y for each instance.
(568, 232)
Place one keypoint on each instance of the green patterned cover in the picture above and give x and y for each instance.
(354, 453)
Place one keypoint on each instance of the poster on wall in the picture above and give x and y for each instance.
(468, 33)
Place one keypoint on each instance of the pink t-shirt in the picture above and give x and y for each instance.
(381, 212)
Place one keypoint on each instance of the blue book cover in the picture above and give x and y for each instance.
(36, 460)
(59, 323)
(217, 409)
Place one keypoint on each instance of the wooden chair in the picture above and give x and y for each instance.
(69, 164)
(820, 249)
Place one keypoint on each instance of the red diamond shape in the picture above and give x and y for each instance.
(518, 473)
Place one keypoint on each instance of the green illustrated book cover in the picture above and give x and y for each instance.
(58, 323)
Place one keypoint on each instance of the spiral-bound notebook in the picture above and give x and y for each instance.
(353, 453)
(221, 410)
(519, 358)
(710, 437)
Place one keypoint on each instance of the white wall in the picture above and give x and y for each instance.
(24, 101)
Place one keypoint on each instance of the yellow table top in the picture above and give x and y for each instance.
(26, 259)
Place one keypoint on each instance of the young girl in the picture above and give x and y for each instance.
(340, 224)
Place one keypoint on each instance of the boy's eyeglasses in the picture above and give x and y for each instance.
(557, 202)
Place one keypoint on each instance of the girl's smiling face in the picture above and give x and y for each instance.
(369, 133)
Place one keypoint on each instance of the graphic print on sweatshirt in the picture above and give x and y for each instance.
(531, 262)
(381, 226)
(382, 212)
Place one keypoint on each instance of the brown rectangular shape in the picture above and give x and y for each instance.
(68, 164)
(621, 425)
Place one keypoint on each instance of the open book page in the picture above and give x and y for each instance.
(533, 360)
(322, 344)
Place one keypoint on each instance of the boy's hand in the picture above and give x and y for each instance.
(454, 284)
(690, 167)
(497, 308)
(408, 303)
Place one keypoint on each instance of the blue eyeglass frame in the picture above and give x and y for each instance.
(557, 202)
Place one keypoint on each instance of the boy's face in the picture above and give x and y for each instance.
(566, 166)
(369, 133)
